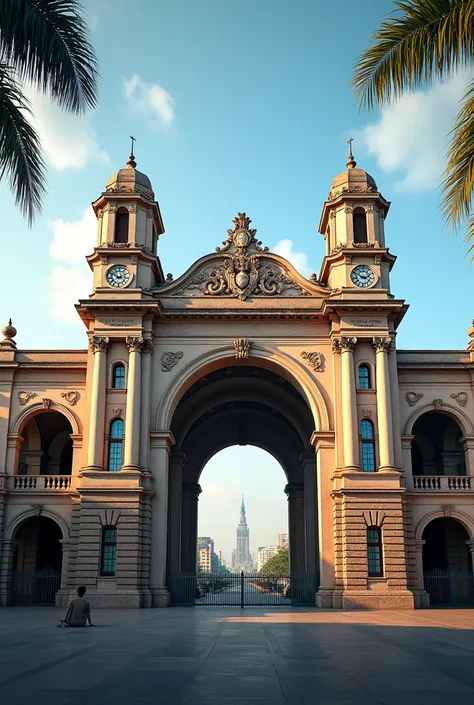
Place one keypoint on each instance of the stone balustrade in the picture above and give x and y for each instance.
(442, 483)
(39, 483)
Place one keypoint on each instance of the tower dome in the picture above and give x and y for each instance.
(131, 180)
(352, 180)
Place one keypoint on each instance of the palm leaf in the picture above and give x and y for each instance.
(47, 41)
(429, 39)
(20, 149)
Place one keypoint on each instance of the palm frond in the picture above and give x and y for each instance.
(429, 39)
(47, 41)
(459, 182)
(20, 149)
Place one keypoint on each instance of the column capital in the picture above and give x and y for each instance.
(98, 343)
(470, 545)
(307, 456)
(192, 489)
(178, 457)
(294, 490)
(162, 439)
(148, 346)
(134, 343)
(322, 439)
(344, 344)
(382, 344)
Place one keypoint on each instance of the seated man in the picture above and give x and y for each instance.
(78, 611)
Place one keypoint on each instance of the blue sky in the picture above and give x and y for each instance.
(237, 106)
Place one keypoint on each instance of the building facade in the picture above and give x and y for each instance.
(243, 559)
(101, 449)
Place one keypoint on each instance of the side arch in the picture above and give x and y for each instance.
(34, 409)
(202, 364)
(464, 519)
(459, 416)
(28, 514)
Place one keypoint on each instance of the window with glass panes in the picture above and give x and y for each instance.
(109, 550)
(115, 446)
(367, 446)
(374, 552)
(118, 380)
(364, 377)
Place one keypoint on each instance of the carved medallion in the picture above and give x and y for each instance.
(315, 360)
(24, 397)
(169, 360)
(242, 348)
(413, 398)
(71, 397)
(461, 398)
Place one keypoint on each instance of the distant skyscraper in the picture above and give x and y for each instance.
(243, 560)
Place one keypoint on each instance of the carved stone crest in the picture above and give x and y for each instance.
(447, 509)
(413, 398)
(438, 404)
(71, 397)
(461, 398)
(366, 413)
(315, 360)
(24, 397)
(169, 360)
(242, 348)
(46, 402)
(37, 508)
(116, 411)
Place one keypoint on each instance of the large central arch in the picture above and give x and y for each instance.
(231, 402)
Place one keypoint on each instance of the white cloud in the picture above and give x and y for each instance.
(412, 134)
(72, 279)
(299, 260)
(69, 142)
(151, 101)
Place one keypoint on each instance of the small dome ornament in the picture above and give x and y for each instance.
(9, 331)
(131, 160)
(351, 162)
(470, 333)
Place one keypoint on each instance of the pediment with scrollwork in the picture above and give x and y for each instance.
(242, 269)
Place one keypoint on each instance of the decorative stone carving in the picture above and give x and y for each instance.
(461, 398)
(438, 404)
(134, 343)
(413, 398)
(382, 344)
(336, 345)
(348, 209)
(133, 208)
(363, 244)
(71, 397)
(374, 518)
(366, 413)
(338, 248)
(116, 411)
(37, 508)
(242, 348)
(99, 344)
(118, 245)
(24, 397)
(149, 214)
(169, 360)
(315, 360)
(112, 208)
(148, 346)
(46, 402)
(343, 344)
(447, 509)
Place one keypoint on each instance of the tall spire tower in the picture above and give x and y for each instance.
(242, 554)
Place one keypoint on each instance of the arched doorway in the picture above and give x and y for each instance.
(37, 562)
(47, 447)
(242, 404)
(447, 563)
(436, 447)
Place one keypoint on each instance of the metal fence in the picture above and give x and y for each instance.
(35, 587)
(450, 587)
(240, 590)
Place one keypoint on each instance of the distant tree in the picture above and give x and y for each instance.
(279, 563)
(44, 43)
(421, 41)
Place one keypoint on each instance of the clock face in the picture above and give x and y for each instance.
(362, 276)
(118, 276)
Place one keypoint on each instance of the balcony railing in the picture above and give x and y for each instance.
(39, 483)
(442, 483)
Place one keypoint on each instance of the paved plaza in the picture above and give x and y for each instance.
(207, 656)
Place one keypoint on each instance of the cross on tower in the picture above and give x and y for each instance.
(133, 140)
(349, 142)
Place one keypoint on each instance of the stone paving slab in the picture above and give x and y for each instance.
(185, 656)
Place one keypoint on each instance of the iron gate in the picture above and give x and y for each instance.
(449, 587)
(240, 590)
(35, 587)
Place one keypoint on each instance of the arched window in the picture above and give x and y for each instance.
(364, 377)
(367, 446)
(115, 446)
(121, 226)
(359, 221)
(108, 555)
(374, 552)
(118, 376)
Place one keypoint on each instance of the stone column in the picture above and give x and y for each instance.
(397, 430)
(132, 419)
(295, 494)
(145, 408)
(308, 461)
(160, 445)
(323, 442)
(384, 403)
(468, 445)
(95, 455)
(421, 596)
(62, 596)
(406, 461)
(6, 569)
(350, 431)
(177, 461)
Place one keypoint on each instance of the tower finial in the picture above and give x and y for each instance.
(9, 331)
(131, 160)
(351, 163)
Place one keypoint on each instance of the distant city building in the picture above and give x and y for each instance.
(207, 559)
(283, 540)
(241, 558)
(264, 555)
